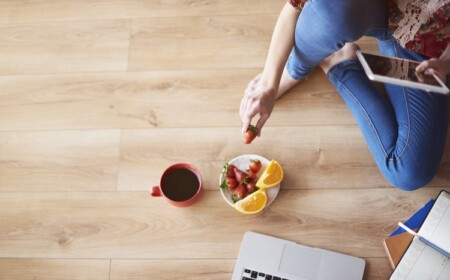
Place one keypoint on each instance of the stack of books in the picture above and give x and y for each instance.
(423, 252)
(398, 241)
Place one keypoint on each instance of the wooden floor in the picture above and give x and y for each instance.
(97, 97)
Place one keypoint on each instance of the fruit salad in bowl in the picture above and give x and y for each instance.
(249, 182)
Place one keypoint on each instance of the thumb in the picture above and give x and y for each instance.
(422, 66)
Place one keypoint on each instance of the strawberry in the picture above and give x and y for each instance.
(254, 165)
(228, 170)
(240, 192)
(251, 174)
(251, 186)
(250, 134)
(231, 183)
(239, 175)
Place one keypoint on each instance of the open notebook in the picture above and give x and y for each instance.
(421, 261)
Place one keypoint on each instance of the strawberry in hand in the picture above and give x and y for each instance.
(250, 134)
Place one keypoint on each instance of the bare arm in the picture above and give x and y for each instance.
(260, 98)
(280, 47)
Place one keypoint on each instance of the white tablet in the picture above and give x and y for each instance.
(399, 72)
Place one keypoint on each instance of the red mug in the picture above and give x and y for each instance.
(181, 185)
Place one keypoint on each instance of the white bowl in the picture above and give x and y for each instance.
(242, 162)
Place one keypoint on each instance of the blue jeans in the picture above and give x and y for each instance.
(405, 131)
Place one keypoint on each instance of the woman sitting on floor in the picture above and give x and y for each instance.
(406, 132)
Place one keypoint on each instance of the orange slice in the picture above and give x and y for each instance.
(271, 177)
(253, 203)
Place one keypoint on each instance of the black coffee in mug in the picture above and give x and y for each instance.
(180, 184)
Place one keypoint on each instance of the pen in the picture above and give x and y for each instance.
(424, 240)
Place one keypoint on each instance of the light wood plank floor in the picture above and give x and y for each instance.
(97, 97)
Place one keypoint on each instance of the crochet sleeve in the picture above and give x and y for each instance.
(298, 4)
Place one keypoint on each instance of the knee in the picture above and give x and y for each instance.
(411, 178)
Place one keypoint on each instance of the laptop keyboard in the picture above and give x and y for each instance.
(257, 275)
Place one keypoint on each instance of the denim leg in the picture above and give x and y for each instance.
(422, 118)
(406, 134)
(324, 26)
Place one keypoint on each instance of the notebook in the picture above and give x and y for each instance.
(416, 220)
(398, 241)
(396, 246)
(421, 261)
(269, 258)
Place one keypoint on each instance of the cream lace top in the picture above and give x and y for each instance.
(421, 25)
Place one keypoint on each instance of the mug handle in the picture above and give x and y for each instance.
(156, 191)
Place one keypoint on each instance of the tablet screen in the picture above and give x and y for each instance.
(399, 69)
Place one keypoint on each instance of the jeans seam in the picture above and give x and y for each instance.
(405, 96)
(349, 93)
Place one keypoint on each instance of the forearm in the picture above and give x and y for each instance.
(280, 47)
(445, 57)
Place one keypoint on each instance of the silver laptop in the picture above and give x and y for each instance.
(265, 257)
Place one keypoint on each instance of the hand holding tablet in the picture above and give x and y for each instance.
(399, 72)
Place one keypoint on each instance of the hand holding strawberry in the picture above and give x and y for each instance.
(259, 99)
(250, 134)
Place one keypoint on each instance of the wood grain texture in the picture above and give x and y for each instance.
(54, 269)
(313, 157)
(64, 47)
(208, 98)
(205, 42)
(171, 269)
(59, 161)
(376, 269)
(200, 42)
(25, 11)
(133, 225)
(368, 44)
(98, 97)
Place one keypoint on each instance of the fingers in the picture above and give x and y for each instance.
(249, 114)
(246, 112)
(431, 67)
(247, 117)
(423, 66)
(257, 100)
(243, 115)
(262, 120)
(431, 64)
(420, 76)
